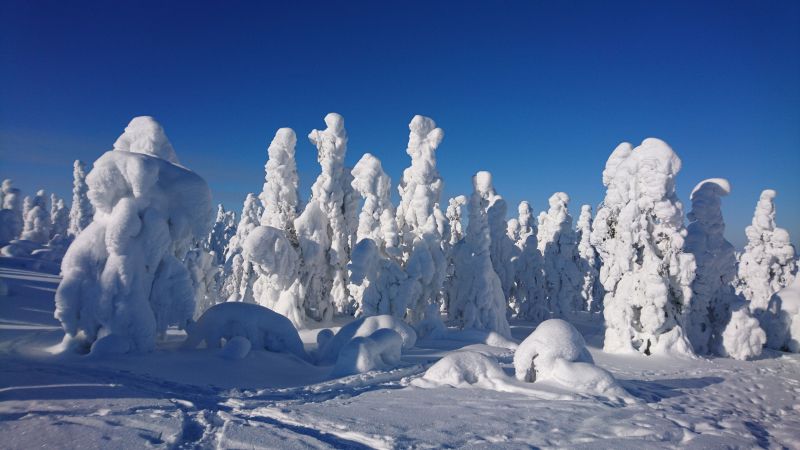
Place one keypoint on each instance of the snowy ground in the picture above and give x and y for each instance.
(189, 399)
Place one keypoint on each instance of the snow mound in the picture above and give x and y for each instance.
(473, 336)
(364, 327)
(556, 351)
(463, 369)
(264, 328)
(236, 348)
(743, 338)
(379, 350)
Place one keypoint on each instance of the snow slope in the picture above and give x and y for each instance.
(197, 399)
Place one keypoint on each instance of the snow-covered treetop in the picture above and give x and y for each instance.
(144, 135)
(555, 221)
(455, 213)
(421, 185)
(331, 145)
(374, 185)
(707, 205)
(280, 186)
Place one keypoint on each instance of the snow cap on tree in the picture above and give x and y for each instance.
(144, 135)
(279, 196)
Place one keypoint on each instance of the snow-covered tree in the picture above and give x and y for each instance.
(59, 217)
(239, 276)
(378, 284)
(272, 248)
(37, 220)
(768, 263)
(11, 221)
(714, 301)
(502, 248)
(454, 215)
(420, 220)
(81, 211)
(204, 274)
(222, 231)
(589, 263)
(326, 284)
(557, 242)
(639, 234)
(478, 301)
(530, 286)
(123, 280)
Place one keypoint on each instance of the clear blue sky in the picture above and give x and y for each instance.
(538, 93)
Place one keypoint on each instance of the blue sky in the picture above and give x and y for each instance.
(538, 93)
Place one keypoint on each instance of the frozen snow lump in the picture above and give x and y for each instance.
(379, 350)
(365, 326)
(463, 369)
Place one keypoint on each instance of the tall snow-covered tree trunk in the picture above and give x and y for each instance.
(239, 274)
(639, 234)
(708, 320)
(454, 214)
(222, 231)
(561, 260)
(421, 222)
(81, 211)
(589, 263)
(530, 287)
(478, 301)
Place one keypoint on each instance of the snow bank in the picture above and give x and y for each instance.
(123, 274)
(379, 350)
(264, 328)
(556, 351)
(462, 369)
(365, 327)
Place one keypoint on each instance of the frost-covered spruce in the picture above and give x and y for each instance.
(239, 274)
(639, 234)
(589, 263)
(557, 242)
(37, 220)
(530, 287)
(327, 235)
(378, 284)
(768, 263)
(59, 217)
(478, 301)
(272, 248)
(420, 220)
(222, 231)
(203, 272)
(710, 324)
(454, 215)
(123, 280)
(502, 247)
(81, 211)
(11, 221)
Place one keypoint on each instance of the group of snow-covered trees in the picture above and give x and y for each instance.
(143, 258)
(40, 222)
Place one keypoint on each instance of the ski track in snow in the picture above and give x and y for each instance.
(73, 402)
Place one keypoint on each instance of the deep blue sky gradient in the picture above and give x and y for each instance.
(538, 93)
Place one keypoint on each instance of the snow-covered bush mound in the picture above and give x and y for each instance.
(783, 319)
(363, 327)
(556, 351)
(264, 328)
(743, 338)
(462, 369)
(123, 274)
(379, 350)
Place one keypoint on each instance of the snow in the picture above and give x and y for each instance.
(559, 247)
(186, 398)
(782, 319)
(743, 338)
(264, 328)
(363, 327)
(463, 369)
(379, 350)
(81, 211)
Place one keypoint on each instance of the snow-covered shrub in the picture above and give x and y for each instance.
(555, 351)
(713, 296)
(639, 234)
(461, 369)
(742, 337)
(59, 217)
(378, 284)
(264, 328)
(379, 350)
(477, 298)
(203, 272)
(556, 240)
(768, 263)
(37, 220)
(239, 273)
(589, 263)
(530, 288)
(277, 265)
(222, 231)
(122, 277)
(11, 218)
(421, 222)
(364, 327)
(81, 211)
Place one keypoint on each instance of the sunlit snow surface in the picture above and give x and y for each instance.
(197, 399)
